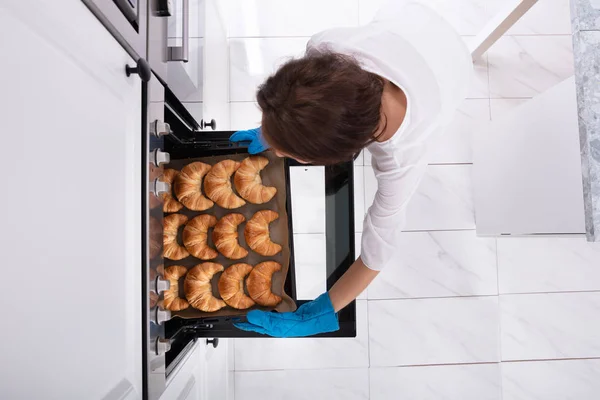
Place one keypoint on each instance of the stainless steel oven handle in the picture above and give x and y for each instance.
(181, 53)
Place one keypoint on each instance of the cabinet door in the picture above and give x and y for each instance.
(71, 206)
(188, 381)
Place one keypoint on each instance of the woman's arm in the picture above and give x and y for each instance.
(351, 284)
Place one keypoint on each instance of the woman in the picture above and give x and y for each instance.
(388, 86)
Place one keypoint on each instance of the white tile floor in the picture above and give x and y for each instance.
(460, 317)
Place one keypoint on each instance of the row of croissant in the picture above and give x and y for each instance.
(198, 287)
(187, 185)
(225, 236)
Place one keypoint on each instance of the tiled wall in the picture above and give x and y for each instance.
(459, 317)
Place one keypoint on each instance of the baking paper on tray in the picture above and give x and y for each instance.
(272, 175)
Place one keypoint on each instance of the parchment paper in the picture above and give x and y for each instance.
(272, 175)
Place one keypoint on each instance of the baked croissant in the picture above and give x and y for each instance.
(217, 184)
(195, 236)
(248, 182)
(231, 286)
(170, 205)
(259, 283)
(257, 233)
(187, 186)
(171, 249)
(198, 289)
(225, 236)
(171, 300)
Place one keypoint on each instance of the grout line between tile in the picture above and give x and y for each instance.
(303, 369)
(270, 37)
(550, 292)
(423, 365)
(450, 163)
(437, 365)
(438, 297)
(548, 360)
(483, 295)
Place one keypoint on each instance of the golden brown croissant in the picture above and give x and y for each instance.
(187, 186)
(171, 249)
(225, 236)
(170, 205)
(231, 286)
(195, 236)
(198, 289)
(217, 184)
(248, 182)
(171, 300)
(257, 233)
(259, 283)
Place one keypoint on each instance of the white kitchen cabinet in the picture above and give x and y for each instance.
(219, 371)
(202, 375)
(188, 380)
(527, 168)
(71, 206)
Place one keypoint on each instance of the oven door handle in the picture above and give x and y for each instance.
(181, 53)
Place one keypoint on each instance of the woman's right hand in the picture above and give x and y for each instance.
(254, 136)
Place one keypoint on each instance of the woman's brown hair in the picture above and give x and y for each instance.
(322, 108)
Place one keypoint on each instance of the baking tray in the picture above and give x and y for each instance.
(274, 174)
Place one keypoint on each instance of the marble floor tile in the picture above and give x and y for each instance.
(306, 353)
(550, 326)
(367, 157)
(439, 264)
(244, 115)
(288, 17)
(310, 255)
(524, 66)
(502, 107)
(359, 197)
(448, 382)
(330, 384)
(546, 17)
(443, 201)
(252, 60)
(307, 187)
(196, 109)
(548, 264)
(357, 240)
(551, 380)
(468, 17)
(455, 144)
(360, 160)
(480, 85)
(433, 331)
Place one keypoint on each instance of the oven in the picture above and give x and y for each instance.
(174, 136)
(126, 20)
(171, 133)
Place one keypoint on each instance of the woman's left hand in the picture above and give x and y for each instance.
(317, 316)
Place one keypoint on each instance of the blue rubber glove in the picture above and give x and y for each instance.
(314, 317)
(254, 136)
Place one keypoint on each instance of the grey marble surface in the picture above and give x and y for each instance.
(585, 15)
(586, 50)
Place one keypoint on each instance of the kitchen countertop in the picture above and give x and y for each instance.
(585, 19)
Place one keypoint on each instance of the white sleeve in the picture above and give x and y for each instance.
(386, 218)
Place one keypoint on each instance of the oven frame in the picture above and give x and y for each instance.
(188, 141)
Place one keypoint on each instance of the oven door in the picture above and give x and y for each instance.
(320, 204)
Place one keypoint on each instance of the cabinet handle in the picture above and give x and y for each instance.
(142, 68)
(214, 342)
(181, 53)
